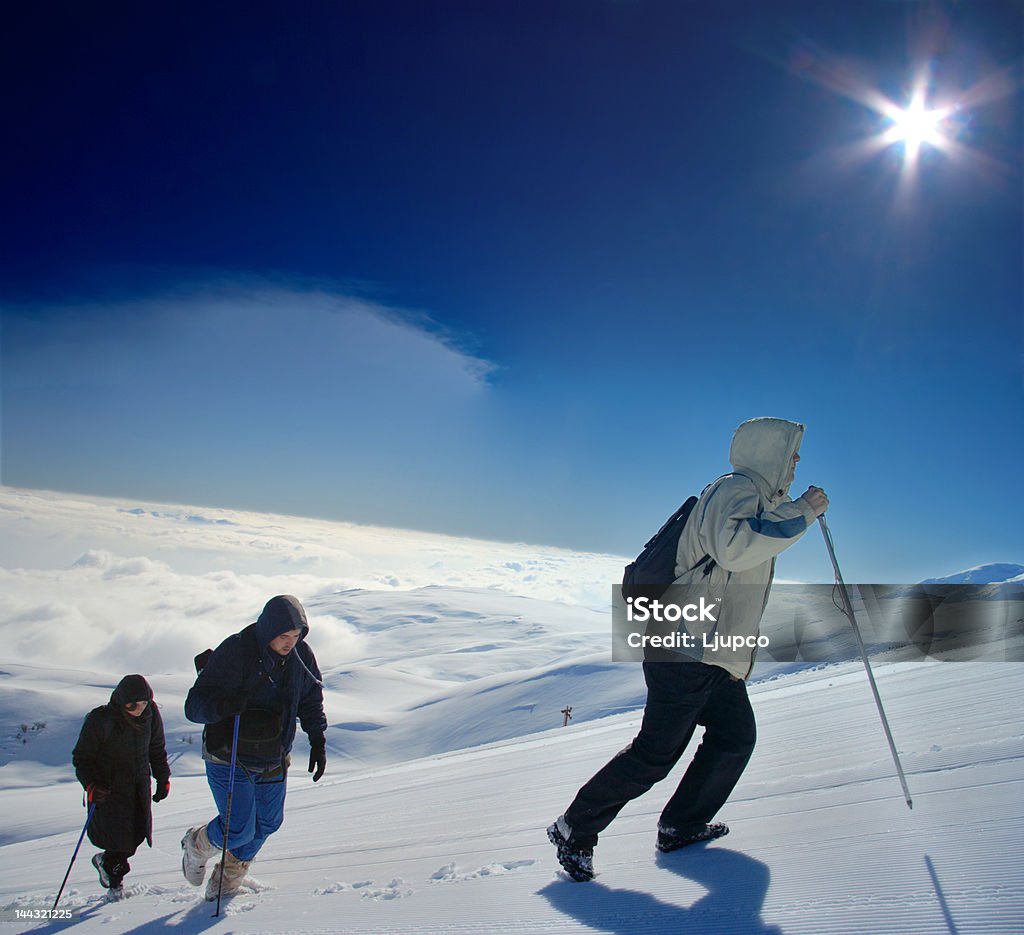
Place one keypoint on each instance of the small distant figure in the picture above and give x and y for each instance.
(567, 712)
(266, 676)
(120, 747)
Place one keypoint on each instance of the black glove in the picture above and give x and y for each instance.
(162, 790)
(232, 703)
(317, 756)
(96, 793)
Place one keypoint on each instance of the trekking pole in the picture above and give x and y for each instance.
(227, 818)
(88, 818)
(848, 610)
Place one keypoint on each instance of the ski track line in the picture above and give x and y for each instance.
(919, 795)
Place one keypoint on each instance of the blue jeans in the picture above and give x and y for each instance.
(257, 810)
(680, 696)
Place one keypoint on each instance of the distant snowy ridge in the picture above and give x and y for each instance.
(991, 573)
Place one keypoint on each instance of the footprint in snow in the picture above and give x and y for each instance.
(333, 888)
(391, 891)
(394, 890)
(233, 908)
(448, 873)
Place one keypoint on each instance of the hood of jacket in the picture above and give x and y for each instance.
(131, 688)
(281, 614)
(765, 448)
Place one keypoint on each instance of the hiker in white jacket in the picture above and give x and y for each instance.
(727, 550)
(726, 557)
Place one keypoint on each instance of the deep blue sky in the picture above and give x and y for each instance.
(517, 270)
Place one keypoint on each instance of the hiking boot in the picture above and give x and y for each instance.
(576, 860)
(97, 862)
(110, 876)
(196, 850)
(671, 840)
(233, 872)
(117, 872)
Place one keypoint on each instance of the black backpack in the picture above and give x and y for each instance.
(654, 569)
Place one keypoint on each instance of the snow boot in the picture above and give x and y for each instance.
(576, 860)
(111, 877)
(233, 872)
(196, 850)
(117, 872)
(97, 862)
(671, 840)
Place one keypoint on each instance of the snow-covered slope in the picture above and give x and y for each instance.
(821, 838)
(447, 664)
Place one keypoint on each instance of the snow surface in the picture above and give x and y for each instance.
(446, 755)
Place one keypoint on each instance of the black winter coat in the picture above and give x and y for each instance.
(120, 753)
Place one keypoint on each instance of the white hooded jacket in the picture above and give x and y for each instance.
(742, 521)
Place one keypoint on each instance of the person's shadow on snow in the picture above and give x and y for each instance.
(736, 888)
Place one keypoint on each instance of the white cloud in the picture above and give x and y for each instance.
(114, 567)
(122, 586)
(297, 399)
(256, 337)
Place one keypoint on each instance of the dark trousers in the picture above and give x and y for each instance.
(680, 695)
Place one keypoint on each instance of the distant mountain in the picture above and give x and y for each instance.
(992, 573)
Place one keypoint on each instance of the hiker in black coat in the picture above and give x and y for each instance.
(120, 746)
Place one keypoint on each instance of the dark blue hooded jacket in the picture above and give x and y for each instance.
(245, 663)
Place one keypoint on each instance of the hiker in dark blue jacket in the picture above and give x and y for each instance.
(267, 676)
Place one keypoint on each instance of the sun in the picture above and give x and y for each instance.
(940, 116)
(915, 125)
